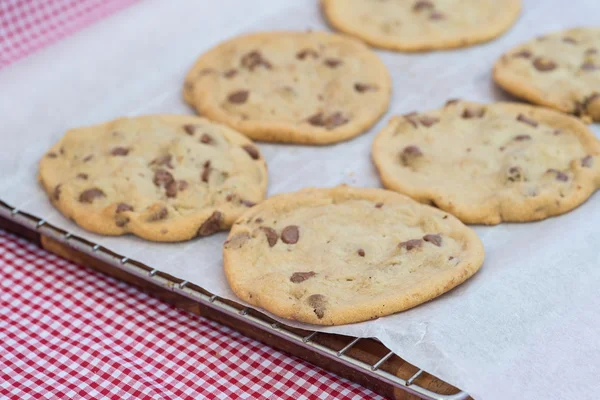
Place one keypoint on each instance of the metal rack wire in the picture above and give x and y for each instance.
(306, 339)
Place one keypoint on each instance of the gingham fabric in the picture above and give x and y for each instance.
(67, 332)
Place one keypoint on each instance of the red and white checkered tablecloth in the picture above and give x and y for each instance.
(69, 332)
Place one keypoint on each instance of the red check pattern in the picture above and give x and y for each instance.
(69, 332)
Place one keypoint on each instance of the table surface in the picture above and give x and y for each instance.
(69, 332)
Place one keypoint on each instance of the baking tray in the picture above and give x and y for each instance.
(362, 360)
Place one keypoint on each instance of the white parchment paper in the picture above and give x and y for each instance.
(526, 326)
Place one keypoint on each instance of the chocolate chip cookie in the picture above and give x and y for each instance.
(343, 255)
(560, 70)
(419, 25)
(164, 178)
(296, 87)
(488, 163)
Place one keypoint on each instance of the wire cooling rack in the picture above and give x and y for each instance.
(363, 360)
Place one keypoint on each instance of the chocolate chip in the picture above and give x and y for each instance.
(557, 132)
(544, 65)
(158, 215)
(378, 205)
(252, 151)
(271, 235)
(411, 244)
(436, 16)
(290, 234)
(119, 151)
(82, 176)
(258, 220)
(254, 59)
(501, 148)
(560, 176)
(591, 51)
(230, 73)
(248, 203)
(332, 62)
(470, 113)
(88, 158)
(189, 129)
(163, 160)
(206, 171)
(434, 239)
(51, 155)
(238, 97)
(589, 66)
(206, 139)
(523, 54)
(422, 5)
(334, 120)
(428, 121)
(569, 40)
(317, 119)
(515, 174)
(522, 138)
(162, 177)
(452, 101)
(319, 304)
(183, 185)
(211, 225)
(298, 277)
(528, 121)
(302, 54)
(587, 161)
(361, 252)
(56, 192)
(121, 221)
(229, 197)
(121, 207)
(88, 196)
(410, 153)
(237, 241)
(411, 117)
(171, 189)
(364, 87)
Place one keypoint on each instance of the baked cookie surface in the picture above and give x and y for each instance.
(488, 163)
(343, 255)
(296, 87)
(162, 177)
(560, 70)
(420, 25)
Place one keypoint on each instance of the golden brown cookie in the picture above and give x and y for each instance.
(296, 87)
(343, 255)
(488, 163)
(163, 177)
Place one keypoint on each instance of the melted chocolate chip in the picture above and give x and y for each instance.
(436, 16)
(230, 73)
(587, 161)
(522, 138)
(253, 60)
(248, 203)
(252, 151)
(434, 239)
(82, 176)
(560, 176)
(411, 244)
(361, 252)
(332, 62)
(409, 154)
(334, 120)
(206, 171)
(189, 129)
(589, 66)
(51, 155)
(528, 121)
(364, 87)
(171, 189)
(163, 160)
(211, 225)
(304, 53)
(121, 207)
(121, 221)
(557, 132)
(470, 113)
(290, 234)
(271, 235)
(319, 304)
(422, 5)
(229, 197)
(298, 277)
(183, 185)
(119, 151)
(162, 177)
(89, 195)
(206, 139)
(238, 97)
(258, 220)
(515, 174)
(88, 158)
(317, 119)
(378, 205)
(428, 121)
(544, 65)
(56, 192)
(162, 213)
(523, 54)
